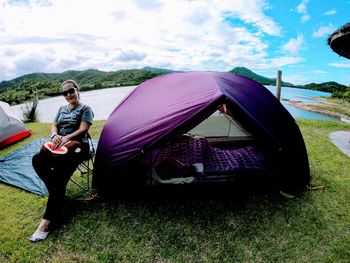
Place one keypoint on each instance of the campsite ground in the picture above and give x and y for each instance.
(252, 226)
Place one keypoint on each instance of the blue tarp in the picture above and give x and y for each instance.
(16, 168)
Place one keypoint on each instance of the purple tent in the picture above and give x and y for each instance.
(166, 107)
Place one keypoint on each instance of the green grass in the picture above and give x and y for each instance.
(255, 227)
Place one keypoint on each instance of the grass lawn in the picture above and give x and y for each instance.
(255, 227)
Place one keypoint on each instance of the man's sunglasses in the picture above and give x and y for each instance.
(70, 91)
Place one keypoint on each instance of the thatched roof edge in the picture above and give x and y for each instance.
(342, 30)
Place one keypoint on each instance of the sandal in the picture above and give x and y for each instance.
(38, 236)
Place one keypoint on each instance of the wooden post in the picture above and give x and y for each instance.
(278, 84)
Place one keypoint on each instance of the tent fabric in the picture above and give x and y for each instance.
(12, 128)
(171, 104)
(152, 110)
(16, 168)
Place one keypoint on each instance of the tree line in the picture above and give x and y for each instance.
(338, 90)
(43, 85)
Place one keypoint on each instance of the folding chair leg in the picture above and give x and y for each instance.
(86, 171)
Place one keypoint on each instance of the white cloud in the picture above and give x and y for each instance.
(293, 45)
(284, 61)
(324, 31)
(340, 65)
(274, 64)
(57, 35)
(305, 18)
(299, 78)
(131, 55)
(148, 4)
(250, 11)
(302, 9)
(319, 72)
(330, 12)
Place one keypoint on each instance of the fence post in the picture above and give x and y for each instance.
(278, 84)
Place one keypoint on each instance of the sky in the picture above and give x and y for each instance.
(53, 36)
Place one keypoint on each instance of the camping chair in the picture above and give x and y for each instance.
(86, 167)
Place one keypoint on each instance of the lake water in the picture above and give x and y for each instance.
(303, 95)
(104, 101)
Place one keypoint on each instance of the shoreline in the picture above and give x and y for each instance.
(305, 106)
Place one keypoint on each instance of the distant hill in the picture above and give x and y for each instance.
(330, 86)
(158, 70)
(87, 78)
(242, 71)
(24, 88)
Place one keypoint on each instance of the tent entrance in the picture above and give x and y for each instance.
(218, 149)
(220, 124)
(221, 127)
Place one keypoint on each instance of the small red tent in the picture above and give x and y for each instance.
(12, 128)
